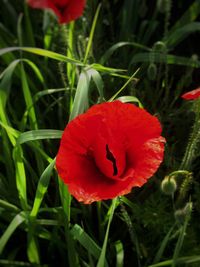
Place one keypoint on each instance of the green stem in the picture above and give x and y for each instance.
(102, 258)
(193, 141)
(89, 45)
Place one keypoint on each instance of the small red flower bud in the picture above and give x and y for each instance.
(194, 94)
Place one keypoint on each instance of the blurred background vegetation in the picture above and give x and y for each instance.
(40, 225)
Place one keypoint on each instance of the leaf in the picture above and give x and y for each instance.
(28, 99)
(102, 258)
(18, 219)
(6, 79)
(162, 58)
(129, 99)
(47, 92)
(116, 46)
(180, 34)
(10, 263)
(163, 245)
(182, 234)
(32, 248)
(119, 254)
(10, 132)
(124, 86)
(85, 240)
(38, 135)
(181, 260)
(81, 97)
(8, 206)
(20, 176)
(92, 33)
(42, 188)
(99, 83)
(41, 52)
(65, 199)
(34, 67)
(190, 15)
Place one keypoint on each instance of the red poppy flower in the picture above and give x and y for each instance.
(108, 150)
(66, 10)
(192, 94)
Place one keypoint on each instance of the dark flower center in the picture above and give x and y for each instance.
(61, 7)
(110, 157)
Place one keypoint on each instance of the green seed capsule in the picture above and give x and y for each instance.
(168, 185)
(163, 6)
(159, 47)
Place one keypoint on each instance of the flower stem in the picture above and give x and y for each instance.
(132, 233)
(102, 258)
(193, 141)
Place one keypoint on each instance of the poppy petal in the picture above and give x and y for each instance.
(108, 150)
(66, 10)
(194, 94)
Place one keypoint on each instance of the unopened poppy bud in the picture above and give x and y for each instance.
(195, 57)
(181, 214)
(168, 185)
(159, 47)
(152, 71)
(163, 5)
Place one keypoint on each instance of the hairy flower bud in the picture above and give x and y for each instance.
(168, 185)
(163, 5)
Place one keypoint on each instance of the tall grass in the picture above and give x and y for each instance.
(130, 50)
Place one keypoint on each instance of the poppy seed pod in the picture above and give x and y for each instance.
(168, 185)
(163, 5)
(159, 47)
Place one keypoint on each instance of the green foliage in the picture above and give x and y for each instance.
(133, 51)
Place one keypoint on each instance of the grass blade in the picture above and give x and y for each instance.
(162, 58)
(181, 237)
(181, 260)
(8, 206)
(180, 34)
(128, 99)
(124, 86)
(18, 219)
(99, 83)
(115, 47)
(41, 52)
(190, 15)
(11, 263)
(120, 254)
(28, 99)
(81, 97)
(91, 34)
(20, 176)
(85, 240)
(38, 135)
(163, 245)
(102, 258)
(42, 188)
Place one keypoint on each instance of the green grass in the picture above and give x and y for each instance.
(48, 75)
